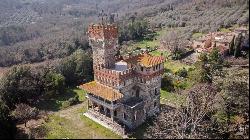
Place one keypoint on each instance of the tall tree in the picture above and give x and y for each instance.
(215, 61)
(55, 82)
(7, 126)
(233, 113)
(18, 85)
(237, 47)
(192, 120)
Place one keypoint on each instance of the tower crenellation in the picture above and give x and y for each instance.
(103, 39)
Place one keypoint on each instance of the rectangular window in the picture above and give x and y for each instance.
(141, 68)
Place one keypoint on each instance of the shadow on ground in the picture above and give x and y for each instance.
(54, 102)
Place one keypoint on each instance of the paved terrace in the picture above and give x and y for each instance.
(106, 122)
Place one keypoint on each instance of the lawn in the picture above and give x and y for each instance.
(174, 66)
(172, 98)
(70, 122)
(150, 43)
(171, 65)
(55, 102)
(145, 43)
(158, 53)
(226, 30)
(197, 35)
(77, 127)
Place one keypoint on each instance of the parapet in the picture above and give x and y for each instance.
(113, 74)
(103, 31)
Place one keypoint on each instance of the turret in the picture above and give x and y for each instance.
(103, 39)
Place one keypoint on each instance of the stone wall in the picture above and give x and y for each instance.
(149, 92)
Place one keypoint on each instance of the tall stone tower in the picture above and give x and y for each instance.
(103, 39)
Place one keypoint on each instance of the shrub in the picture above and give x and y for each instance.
(74, 100)
(182, 73)
(167, 83)
(65, 104)
(38, 132)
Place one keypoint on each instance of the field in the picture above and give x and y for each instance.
(68, 121)
(172, 99)
(56, 102)
(197, 35)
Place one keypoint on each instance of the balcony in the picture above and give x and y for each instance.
(133, 102)
(103, 102)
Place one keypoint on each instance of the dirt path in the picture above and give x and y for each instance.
(65, 113)
(73, 114)
(69, 123)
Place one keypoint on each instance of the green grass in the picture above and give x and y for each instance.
(97, 128)
(174, 66)
(171, 65)
(185, 84)
(197, 35)
(158, 53)
(58, 128)
(172, 98)
(81, 93)
(55, 102)
(149, 43)
(145, 43)
(71, 123)
(224, 30)
(61, 128)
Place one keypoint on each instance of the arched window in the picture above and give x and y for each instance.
(137, 92)
(124, 116)
(155, 104)
(155, 91)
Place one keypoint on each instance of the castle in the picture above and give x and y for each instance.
(125, 90)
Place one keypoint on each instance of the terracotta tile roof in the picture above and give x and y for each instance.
(208, 43)
(149, 61)
(222, 49)
(102, 91)
(146, 60)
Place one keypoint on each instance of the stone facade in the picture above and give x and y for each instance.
(127, 95)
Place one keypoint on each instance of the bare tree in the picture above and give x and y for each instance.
(191, 120)
(174, 43)
(171, 41)
(24, 112)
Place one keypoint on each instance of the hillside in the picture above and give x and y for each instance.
(46, 60)
(37, 30)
